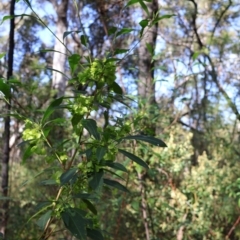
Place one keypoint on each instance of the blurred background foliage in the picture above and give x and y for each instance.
(184, 79)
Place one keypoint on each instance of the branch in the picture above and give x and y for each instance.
(220, 18)
(194, 18)
(232, 228)
(231, 104)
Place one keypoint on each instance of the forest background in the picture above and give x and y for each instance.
(177, 79)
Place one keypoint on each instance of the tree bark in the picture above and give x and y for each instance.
(59, 59)
(146, 84)
(144, 206)
(6, 135)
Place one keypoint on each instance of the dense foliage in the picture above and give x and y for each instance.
(98, 88)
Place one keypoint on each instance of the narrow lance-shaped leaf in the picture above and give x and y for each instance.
(14, 16)
(90, 206)
(149, 139)
(5, 89)
(113, 174)
(131, 2)
(116, 165)
(74, 222)
(50, 50)
(83, 39)
(120, 51)
(67, 176)
(116, 88)
(55, 70)
(55, 104)
(74, 62)
(115, 184)
(144, 6)
(94, 234)
(112, 30)
(100, 153)
(161, 17)
(133, 158)
(91, 126)
(65, 34)
(42, 221)
(96, 180)
(124, 31)
(85, 196)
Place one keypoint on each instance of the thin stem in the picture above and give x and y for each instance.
(50, 145)
(45, 25)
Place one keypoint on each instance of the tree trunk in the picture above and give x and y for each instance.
(6, 135)
(59, 59)
(146, 85)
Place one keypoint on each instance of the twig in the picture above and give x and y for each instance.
(232, 228)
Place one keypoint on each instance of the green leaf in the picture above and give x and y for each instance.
(94, 234)
(114, 174)
(144, 7)
(120, 51)
(13, 16)
(150, 48)
(112, 60)
(195, 55)
(116, 88)
(75, 222)
(2, 55)
(48, 182)
(42, 221)
(54, 105)
(116, 165)
(27, 153)
(124, 31)
(85, 196)
(143, 24)
(88, 153)
(42, 205)
(106, 118)
(74, 62)
(76, 119)
(91, 126)
(57, 121)
(90, 206)
(51, 50)
(149, 139)
(67, 176)
(65, 34)
(5, 88)
(83, 39)
(100, 153)
(55, 70)
(112, 30)
(131, 2)
(162, 17)
(115, 184)
(96, 180)
(134, 158)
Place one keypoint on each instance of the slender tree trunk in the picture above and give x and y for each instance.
(144, 206)
(147, 102)
(59, 60)
(6, 136)
(146, 85)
